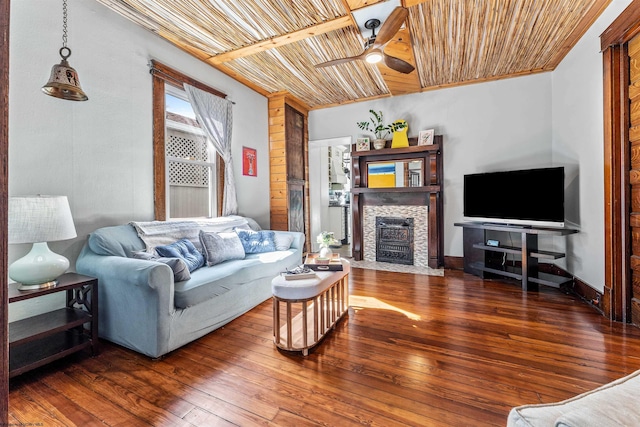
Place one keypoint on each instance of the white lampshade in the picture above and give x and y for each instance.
(38, 220)
(35, 219)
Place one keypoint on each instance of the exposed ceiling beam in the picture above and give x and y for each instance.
(409, 3)
(203, 56)
(357, 4)
(325, 27)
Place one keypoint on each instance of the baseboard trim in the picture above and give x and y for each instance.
(576, 287)
(454, 262)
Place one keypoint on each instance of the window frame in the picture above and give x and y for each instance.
(212, 155)
(161, 76)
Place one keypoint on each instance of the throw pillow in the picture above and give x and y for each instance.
(283, 241)
(178, 266)
(255, 242)
(219, 247)
(184, 250)
(253, 224)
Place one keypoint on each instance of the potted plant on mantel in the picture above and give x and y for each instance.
(376, 125)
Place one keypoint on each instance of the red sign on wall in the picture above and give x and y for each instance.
(249, 161)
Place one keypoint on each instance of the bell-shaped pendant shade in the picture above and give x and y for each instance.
(64, 82)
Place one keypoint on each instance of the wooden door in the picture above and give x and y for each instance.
(295, 149)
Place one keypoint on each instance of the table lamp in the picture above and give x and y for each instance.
(38, 220)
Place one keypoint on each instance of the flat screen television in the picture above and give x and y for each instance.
(521, 197)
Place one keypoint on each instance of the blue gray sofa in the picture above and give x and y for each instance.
(143, 308)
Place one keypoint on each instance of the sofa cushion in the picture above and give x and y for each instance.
(119, 240)
(219, 247)
(178, 266)
(283, 241)
(252, 224)
(256, 242)
(210, 282)
(185, 250)
(613, 404)
(158, 233)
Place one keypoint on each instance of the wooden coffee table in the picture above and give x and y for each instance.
(305, 310)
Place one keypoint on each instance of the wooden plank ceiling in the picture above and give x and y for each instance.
(273, 46)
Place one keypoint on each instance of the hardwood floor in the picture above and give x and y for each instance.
(414, 350)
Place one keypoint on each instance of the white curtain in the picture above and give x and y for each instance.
(215, 116)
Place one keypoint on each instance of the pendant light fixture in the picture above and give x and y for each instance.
(63, 82)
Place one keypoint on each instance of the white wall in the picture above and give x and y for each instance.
(505, 124)
(99, 152)
(578, 136)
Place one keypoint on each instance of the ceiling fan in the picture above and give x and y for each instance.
(374, 47)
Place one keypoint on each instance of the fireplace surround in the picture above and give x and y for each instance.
(427, 196)
(420, 216)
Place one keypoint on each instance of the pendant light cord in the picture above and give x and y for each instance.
(64, 23)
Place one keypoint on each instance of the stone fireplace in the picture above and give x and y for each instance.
(418, 216)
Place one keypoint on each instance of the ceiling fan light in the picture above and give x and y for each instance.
(374, 57)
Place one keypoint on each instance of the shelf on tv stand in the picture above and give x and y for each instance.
(512, 272)
(503, 249)
(480, 258)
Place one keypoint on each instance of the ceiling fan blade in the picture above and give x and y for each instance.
(336, 62)
(398, 64)
(343, 60)
(391, 25)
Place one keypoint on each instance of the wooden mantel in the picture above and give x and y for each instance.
(429, 193)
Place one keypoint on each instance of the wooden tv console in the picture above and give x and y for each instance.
(486, 261)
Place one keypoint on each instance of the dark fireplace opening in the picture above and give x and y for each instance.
(394, 240)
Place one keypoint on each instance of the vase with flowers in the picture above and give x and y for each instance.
(326, 239)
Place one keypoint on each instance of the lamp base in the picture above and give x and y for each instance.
(45, 285)
(39, 267)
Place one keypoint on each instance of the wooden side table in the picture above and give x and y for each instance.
(38, 340)
(312, 307)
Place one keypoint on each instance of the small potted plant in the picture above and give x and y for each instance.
(376, 125)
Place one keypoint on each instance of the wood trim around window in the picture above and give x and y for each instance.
(4, 194)
(163, 75)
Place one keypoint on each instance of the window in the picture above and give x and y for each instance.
(188, 173)
(190, 161)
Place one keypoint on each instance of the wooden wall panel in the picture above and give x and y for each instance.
(277, 154)
(284, 169)
(294, 136)
(635, 155)
(633, 51)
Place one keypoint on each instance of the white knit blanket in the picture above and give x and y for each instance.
(157, 233)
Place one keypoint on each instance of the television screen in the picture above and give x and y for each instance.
(532, 196)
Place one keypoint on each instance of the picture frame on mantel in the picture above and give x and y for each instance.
(425, 137)
(363, 144)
